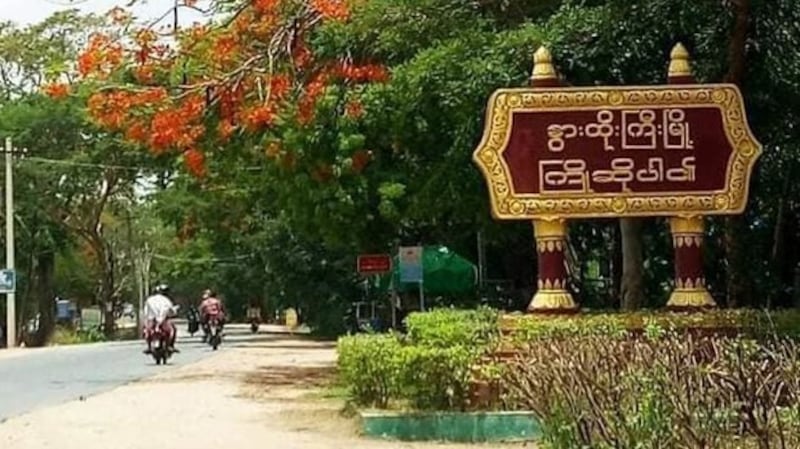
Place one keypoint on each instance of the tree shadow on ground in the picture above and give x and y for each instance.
(306, 377)
(286, 346)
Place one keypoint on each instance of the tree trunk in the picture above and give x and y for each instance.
(738, 283)
(615, 266)
(632, 288)
(106, 294)
(779, 240)
(44, 290)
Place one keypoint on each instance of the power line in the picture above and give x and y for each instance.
(109, 166)
(203, 260)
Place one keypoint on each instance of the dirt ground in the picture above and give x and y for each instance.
(258, 395)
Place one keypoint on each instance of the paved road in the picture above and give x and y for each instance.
(47, 377)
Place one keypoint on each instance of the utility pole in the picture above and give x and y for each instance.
(11, 313)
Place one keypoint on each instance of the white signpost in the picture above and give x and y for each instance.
(411, 269)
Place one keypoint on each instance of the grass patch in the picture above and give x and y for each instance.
(67, 336)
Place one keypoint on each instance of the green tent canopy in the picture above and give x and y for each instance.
(444, 272)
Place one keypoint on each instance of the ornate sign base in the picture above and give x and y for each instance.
(690, 283)
(552, 295)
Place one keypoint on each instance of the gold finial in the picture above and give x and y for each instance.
(679, 61)
(543, 65)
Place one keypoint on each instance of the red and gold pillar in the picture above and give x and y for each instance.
(550, 235)
(690, 291)
(690, 283)
(551, 295)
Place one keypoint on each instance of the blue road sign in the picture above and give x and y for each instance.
(8, 281)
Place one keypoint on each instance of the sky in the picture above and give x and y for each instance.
(26, 12)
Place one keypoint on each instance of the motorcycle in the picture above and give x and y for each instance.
(193, 321)
(214, 332)
(254, 323)
(254, 318)
(160, 346)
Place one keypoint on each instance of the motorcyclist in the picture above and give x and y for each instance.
(211, 306)
(158, 308)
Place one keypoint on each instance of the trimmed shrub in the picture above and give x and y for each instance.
(757, 324)
(444, 328)
(371, 367)
(437, 378)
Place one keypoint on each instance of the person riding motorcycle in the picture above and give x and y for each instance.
(211, 306)
(159, 309)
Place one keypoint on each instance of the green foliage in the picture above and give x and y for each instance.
(69, 336)
(379, 370)
(437, 378)
(751, 322)
(370, 366)
(446, 328)
(430, 368)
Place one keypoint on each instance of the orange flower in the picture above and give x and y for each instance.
(225, 129)
(308, 101)
(323, 173)
(255, 118)
(360, 160)
(331, 9)
(364, 73)
(301, 55)
(354, 109)
(273, 150)
(56, 90)
(265, 6)
(143, 74)
(279, 86)
(137, 132)
(195, 162)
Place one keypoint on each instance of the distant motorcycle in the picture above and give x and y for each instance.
(254, 317)
(214, 336)
(193, 318)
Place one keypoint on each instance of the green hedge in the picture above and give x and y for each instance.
(524, 328)
(443, 328)
(431, 367)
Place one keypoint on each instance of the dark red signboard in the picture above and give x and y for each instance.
(374, 263)
(616, 151)
(613, 151)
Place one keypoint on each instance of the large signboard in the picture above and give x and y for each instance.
(617, 151)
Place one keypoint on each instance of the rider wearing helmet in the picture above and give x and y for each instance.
(158, 309)
(211, 306)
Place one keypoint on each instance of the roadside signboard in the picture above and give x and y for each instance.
(617, 151)
(410, 264)
(374, 263)
(8, 281)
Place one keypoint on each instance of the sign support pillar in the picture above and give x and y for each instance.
(690, 282)
(687, 232)
(550, 236)
(551, 295)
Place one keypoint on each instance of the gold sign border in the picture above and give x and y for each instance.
(510, 205)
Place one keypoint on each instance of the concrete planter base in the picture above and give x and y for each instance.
(477, 427)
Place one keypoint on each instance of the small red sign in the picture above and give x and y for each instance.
(374, 263)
